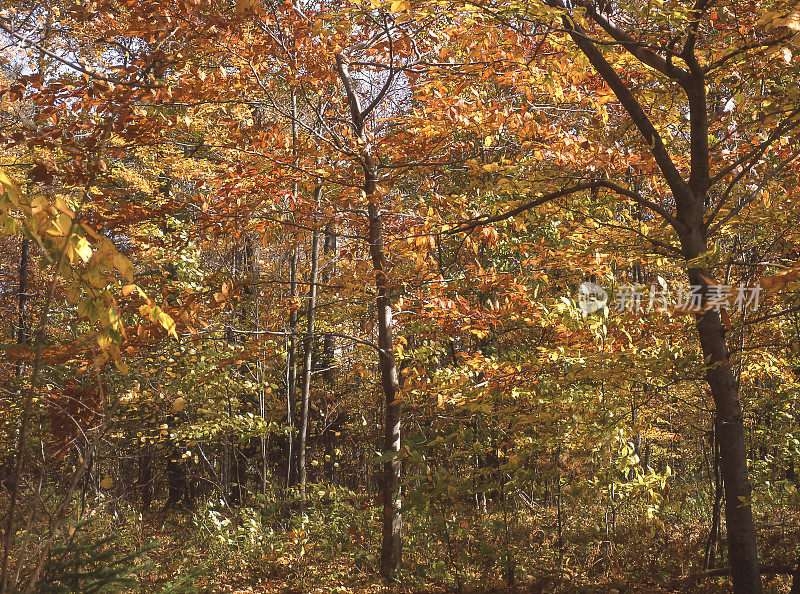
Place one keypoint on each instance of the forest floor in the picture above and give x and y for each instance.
(329, 545)
(307, 561)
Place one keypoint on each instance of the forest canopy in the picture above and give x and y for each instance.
(428, 295)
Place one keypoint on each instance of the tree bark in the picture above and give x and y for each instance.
(796, 579)
(145, 480)
(329, 342)
(688, 221)
(291, 375)
(176, 481)
(391, 534)
(390, 476)
(328, 358)
(713, 535)
(22, 299)
(742, 550)
(291, 352)
(308, 347)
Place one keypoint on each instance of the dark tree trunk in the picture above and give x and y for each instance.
(177, 483)
(22, 299)
(690, 198)
(239, 483)
(308, 348)
(328, 341)
(291, 375)
(145, 481)
(390, 476)
(796, 579)
(391, 534)
(178, 492)
(729, 432)
(713, 535)
(742, 551)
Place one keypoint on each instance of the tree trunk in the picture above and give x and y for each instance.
(713, 535)
(237, 496)
(729, 432)
(796, 579)
(329, 343)
(145, 481)
(390, 477)
(176, 481)
(391, 541)
(742, 551)
(291, 374)
(308, 346)
(328, 358)
(22, 298)
(690, 198)
(291, 352)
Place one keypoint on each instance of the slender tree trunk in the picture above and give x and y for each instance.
(291, 354)
(796, 579)
(713, 534)
(229, 448)
(390, 480)
(239, 475)
(263, 440)
(560, 512)
(637, 439)
(729, 432)
(329, 343)
(308, 350)
(225, 470)
(391, 535)
(328, 347)
(145, 480)
(17, 461)
(22, 299)
(291, 375)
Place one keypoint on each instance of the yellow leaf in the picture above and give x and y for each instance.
(399, 6)
(63, 207)
(790, 21)
(10, 188)
(62, 224)
(124, 266)
(84, 249)
(38, 204)
(166, 321)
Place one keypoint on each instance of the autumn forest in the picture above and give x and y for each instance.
(399, 295)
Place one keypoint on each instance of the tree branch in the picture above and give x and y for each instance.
(485, 219)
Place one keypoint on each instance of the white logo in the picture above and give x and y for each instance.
(591, 297)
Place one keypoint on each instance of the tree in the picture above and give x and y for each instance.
(633, 53)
